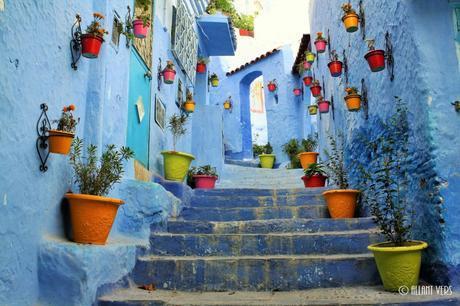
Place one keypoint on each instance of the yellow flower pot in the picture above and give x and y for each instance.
(227, 105)
(310, 57)
(215, 82)
(398, 265)
(189, 106)
(267, 160)
(176, 165)
(313, 109)
(351, 22)
(353, 102)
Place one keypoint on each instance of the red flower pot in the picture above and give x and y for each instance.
(376, 60)
(335, 67)
(314, 181)
(320, 46)
(169, 75)
(323, 106)
(315, 90)
(271, 87)
(297, 91)
(140, 31)
(248, 33)
(306, 65)
(307, 80)
(201, 67)
(205, 181)
(91, 45)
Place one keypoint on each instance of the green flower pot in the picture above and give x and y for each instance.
(176, 165)
(267, 160)
(398, 266)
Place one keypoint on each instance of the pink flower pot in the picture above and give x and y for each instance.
(140, 31)
(323, 106)
(320, 46)
(297, 91)
(205, 181)
(271, 87)
(169, 75)
(306, 65)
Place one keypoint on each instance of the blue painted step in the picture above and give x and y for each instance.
(255, 201)
(273, 226)
(254, 213)
(228, 192)
(349, 242)
(295, 272)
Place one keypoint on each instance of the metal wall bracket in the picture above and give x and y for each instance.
(43, 126)
(159, 74)
(332, 107)
(456, 105)
(345, 67)
(362, 20)
(389, 56)
(364, 100)
(128, 27)
(75, 43)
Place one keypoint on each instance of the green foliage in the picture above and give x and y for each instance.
(315, 169)
(335, 164)
(245, 22)
(93, 177)
(291, 149)
(67, 122)
(261, 149)
(227, 8)
(268, 149)
(177, 126)
(145, 6)
(203, 170)
(310, 144)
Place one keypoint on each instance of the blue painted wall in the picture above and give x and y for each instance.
(426, 78)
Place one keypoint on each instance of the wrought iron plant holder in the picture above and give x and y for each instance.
(345, 67)
(128, 27)
(389, 56)
(362, 20)
(43, 126)
(364, 100)
(75, 43)
(159, 74)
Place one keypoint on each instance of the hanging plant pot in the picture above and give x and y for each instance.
(376, 60)
(169, 75)
(313, 109)
(320, 46)
(92, 217)
(307, 65)
(271, 87)
(214, 82)
(310, 57)
(315, 90)
(91, 45)
(314, 181)
(201, 67)
(350, 22)
(323, 106)
(140, 30)
(205, 181)
(176, 165)
(267, 160)
(227, 105)
(307, 80)
(189, 106)
(297, 91)
(353, 102)
(335, 67)
(60, 142)
(341, 203)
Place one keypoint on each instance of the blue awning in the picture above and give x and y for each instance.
(217, 35)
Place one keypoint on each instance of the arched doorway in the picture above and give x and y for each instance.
(259, 131)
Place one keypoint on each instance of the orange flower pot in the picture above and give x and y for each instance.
(60, 141)
(307, 158)
(341, 203)
(351, 22)
(92, 217)
(189, 106)
(353, 102)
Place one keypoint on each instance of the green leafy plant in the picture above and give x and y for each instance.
(95, 27)
(245, 22)
(169, 65)
(291, 149)
(310, 143)
(315, 169)
(205, 170)
(214, 77)
(268, 149)
(335, 164)
(257, 149)
(176, 125)
(67, 122)
(145, 14)
(93, 177)
(203, 60)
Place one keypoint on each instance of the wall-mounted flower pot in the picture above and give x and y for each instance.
(351, 22)
(176, 165)
(314, 181)
(307, 158)
(341, 203)
(227, 105)
(335, 67)
(60, 142)
(267, 160)
(271, 87)
(310, 58)
(205, 181)
(201, 67)
(353, 102)
(214, 82)
(297, 91)
(320, 46)
(306, 65)
(92, 217)
(313, 109)
(307, 80)
(323, 106)
(169, 75)
(140, 31)
(247, 33)
(315, 90)
(189, 106)
(399, 266)
(376, 60)
(91, 45)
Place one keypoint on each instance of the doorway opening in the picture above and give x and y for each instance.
(259, 130)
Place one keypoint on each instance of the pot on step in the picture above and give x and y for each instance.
(307, 158)
(176, 165)
(314, 181)
(205, 181)
(267, 160)
(341, 203)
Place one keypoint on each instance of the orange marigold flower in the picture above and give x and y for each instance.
(98, 15)
(72, 107)
(64, 109)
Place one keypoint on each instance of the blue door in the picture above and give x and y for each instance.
(139, 109)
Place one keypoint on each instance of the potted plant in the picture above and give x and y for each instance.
(204, 177)
(169, 73)
(306, 65)
(272, 85)
(335, 66)
(91, 212)
(320, 43)
(315, 88)
(142, 24)
(267, 159)
(341, 202)
(323, 105)
(297, 91)
(313, 109)
(375, 58)
(60, 139)
(308, 78)
(308, 155)
(292, 149)
(245, 24)
(214, 80)
(176, 164)
(315, 176)
(201, 65)
(228, 103)
(350, 18)
(353, 99)
(310, 57)
(92, 40)
(189, 104)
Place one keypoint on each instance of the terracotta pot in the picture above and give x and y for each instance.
(315, 90)
(271, 87)
(313, 109)
(91, 45)
(320, 46)
(247, 33)
(92, 217)
(353, 102)
(306, 65)
(307, 158)
(189, 106)
(351, 22)
(169, 75)
(140, 31)
(376, 60)
(307, 80)
(205, 181)
(323, 107)
(335, 67)
(201, 67)
(341, 203)
(60, 142)
(314, 181)
(297, 91)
